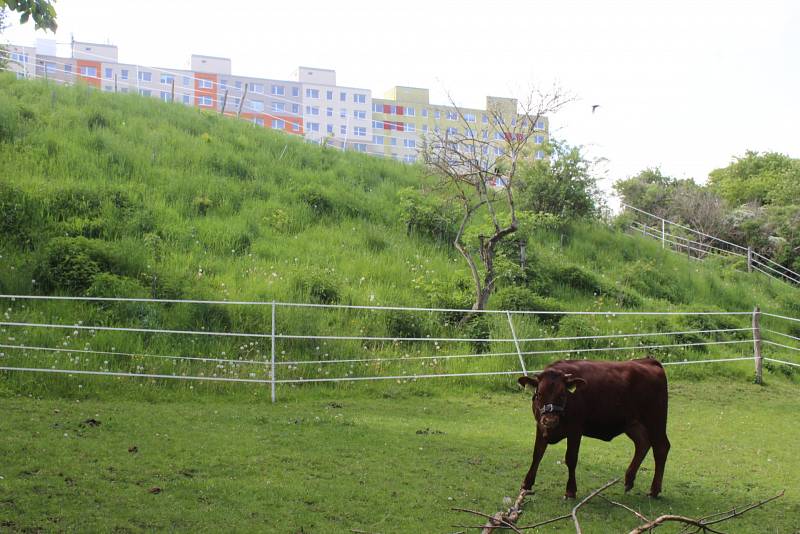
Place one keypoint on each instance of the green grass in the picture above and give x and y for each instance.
(322, 461)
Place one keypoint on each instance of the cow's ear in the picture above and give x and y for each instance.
(531, 381)
(574, 383)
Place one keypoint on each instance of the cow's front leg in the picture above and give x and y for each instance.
(539, 446)
(571, 459)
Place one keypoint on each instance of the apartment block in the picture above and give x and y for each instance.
(312, 105)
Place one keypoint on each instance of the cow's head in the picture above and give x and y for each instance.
(551, 393)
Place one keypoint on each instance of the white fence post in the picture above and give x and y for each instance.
(663, 235)
(272, 371)
(516, 343)
(757, 343)
(749, 259)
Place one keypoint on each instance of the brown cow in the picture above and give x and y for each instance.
(575, 398)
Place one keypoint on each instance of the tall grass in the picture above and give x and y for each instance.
(117, 195)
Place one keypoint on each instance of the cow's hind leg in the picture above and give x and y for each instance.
(571, 459)
(638, 434)
(538, 451)
(660, 450)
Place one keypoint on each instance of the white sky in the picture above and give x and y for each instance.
(683, 85)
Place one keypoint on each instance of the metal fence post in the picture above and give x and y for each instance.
(516, 343)
(272, 371)
(757, 344)
(663, 235)
(749, 259)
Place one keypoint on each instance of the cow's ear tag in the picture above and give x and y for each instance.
(571, 388)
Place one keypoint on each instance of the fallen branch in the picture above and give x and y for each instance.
(497, 520)
(587, 499)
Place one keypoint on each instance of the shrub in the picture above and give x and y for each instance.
(318, 285)
(70, 264)
(202, 204)
(404, 324)
(478, 326)
(577, 278)
(75, 201)
(317, 200)
(648, 279)
(16, 215)
(427, 216)
(523, 299)
(110, 285)
(96, 120)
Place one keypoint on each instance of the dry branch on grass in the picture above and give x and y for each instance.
(507, 520)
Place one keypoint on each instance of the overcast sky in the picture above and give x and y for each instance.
(682, 85)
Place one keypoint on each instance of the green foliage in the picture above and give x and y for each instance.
(768, 178)
(427, 215)
(650, 279)
(318, 285)
(405, 324)
(523, 299)
(562, 185)
(17, 215)
(42, 11)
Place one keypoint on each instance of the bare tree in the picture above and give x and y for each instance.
(478, 163)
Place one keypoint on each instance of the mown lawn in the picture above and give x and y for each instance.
(323, 462)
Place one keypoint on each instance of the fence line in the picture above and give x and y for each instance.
(272, 363)
(792, 364)
(754, 259)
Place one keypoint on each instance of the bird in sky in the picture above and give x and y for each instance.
(594, 107)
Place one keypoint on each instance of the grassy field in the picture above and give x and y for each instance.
(326, 462)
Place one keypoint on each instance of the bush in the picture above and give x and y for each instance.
(648, 279)
(478, 326)
(577, 278)
(71, 264)
(404, 324)
(16, 215)
(202, 204)
(428, 216)
(318, 286)
(110, 285)
(318, 201)
(523, 299)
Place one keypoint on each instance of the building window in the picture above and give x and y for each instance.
(312, 126)
(329, 95)
(205, 101)
(144, 92)
(329, 128)
(343, 97)
(343, 113)
(237, 84)
(540, 154)
(409, 158)
(68, 69)
(167, 79)
(411, 127)
(540, 125)
(258, 121)
(89, 72)
(377, 124)
(498, 151)
(257, 88)
(359, 114)
(437, 115)
(377, 108)
(278, 90)
(236, 101)
(359, 131)
(377, 139)
(469, 117)
(409, 143)
(257, 106)
(223, 84)
(278, 124)
(343, 129)
(296, 109)
(390, 109)
(359, 98)
(484, 134)
(312, 110)
(202, 83)
(187, 81)
(498, 136)
(165, 96)
(539, 139)
(452, 116)
(187, 99)
(393, 141)
(452, 131)
(312, 93)
(360, 147)
(484, 119)
(295, 127)
(425, 128)
(410, 111)
(424, 112)
(295, 92)
(108, 73)
(124, 74)
(278, 107)
(329, 112)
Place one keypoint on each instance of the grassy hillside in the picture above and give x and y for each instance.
(118, 195)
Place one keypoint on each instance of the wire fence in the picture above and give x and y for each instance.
(698, 245)
(280, 343)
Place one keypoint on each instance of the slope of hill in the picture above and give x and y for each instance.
(117, 195)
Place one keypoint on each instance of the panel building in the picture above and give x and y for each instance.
(312, 105)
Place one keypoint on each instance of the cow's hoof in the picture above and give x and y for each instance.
(569, 495)
(628, 487)
(654, 494)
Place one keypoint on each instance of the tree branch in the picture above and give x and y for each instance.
(586, 499)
